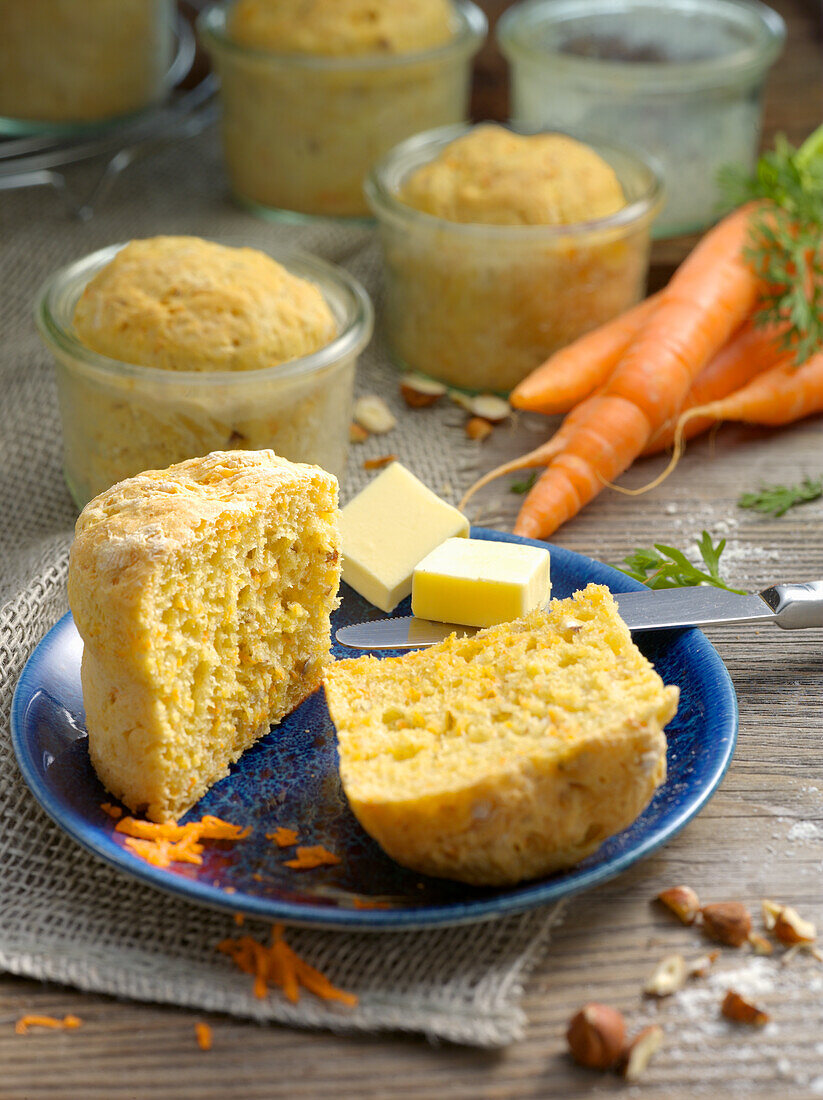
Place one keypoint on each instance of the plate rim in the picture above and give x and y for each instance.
(541, 892)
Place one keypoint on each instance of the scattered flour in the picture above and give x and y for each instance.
(804, 830)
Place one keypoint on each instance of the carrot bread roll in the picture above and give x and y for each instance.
(506, 755)
(202, 594)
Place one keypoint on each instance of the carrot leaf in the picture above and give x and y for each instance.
(776, 500)
(667, 567)
(524, 486)
(785, 246)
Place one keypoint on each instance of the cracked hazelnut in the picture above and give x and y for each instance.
(669, 975)
(357, 434)
(682, 901)
(379, 463)
(420, 392)
(740, 1010)
(478, 429)
(728, 922)
(596, 1036)
(641, 1050)
(373, 414)
(701, 966)
(787, 925)
(760, 945)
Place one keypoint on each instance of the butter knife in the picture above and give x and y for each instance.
(790, 606)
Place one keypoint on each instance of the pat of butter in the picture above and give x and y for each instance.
(387, 529)
(480, 583)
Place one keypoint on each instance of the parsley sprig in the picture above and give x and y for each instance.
(776, 500)
(525, 486)
(785, 246)
(667, 567)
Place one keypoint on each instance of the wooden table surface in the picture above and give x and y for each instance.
(761, 835)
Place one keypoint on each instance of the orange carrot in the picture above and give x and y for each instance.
(540, 456)
(167, 843)
(112, 811)
(709, 296)
(282, 966)
(311, 856)
(283, 837)
(203, 1034)
(576, 370)
(68, 1023)
(749, 352)
(781, 395)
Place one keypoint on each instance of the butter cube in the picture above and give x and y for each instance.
(480, 583)
(387, 529)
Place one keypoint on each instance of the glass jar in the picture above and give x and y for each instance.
(63, 64)
(680, 79)
(480, 306)
(301, 131)
(119, 419)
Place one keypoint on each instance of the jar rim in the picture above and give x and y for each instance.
(517, 26)
(356, 325)
(471, 31)
(381, 188)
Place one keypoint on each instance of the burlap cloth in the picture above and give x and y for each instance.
(64, 915)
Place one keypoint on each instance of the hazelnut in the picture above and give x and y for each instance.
(760, 945)
(669, 975)
(373, 414)
(596, 1036)
(641, 1050)
(478, 429)
(485, 405)
(791, 929)
(419, 392)
(700, 967)
(740, 1010)
(357, 434)
(728, 922)
(682, 901)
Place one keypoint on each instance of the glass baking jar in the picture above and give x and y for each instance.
(119, 419)
(480, 306)
(68, 64)
(301, 131)
(680, 79)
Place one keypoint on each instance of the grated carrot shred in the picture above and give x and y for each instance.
(239, 920)
(31, 1020)
(112, 811)
(283, 837)
(281, 966)
(311, 856)
(167, 843)
(204, 1036)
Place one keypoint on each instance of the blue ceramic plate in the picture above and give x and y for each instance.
(290, 778)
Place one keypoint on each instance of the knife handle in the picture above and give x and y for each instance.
(796, 606)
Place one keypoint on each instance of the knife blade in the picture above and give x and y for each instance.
(790, 606)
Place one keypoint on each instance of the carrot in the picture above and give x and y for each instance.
(203, 1034)
(283, 837)
(781, 395)
(576, 370)
(749, 352)
(540, 456)
(68, 1023)
(709, 296)
(311, 856)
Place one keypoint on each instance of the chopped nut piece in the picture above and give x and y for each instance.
(700, 967)
(682, 901)
(419, 392)
(379, 463)
(728, 922)
(596, 1036)
(491, 408)
(736, 1008)
(478, 429)
(790, 928)
(357, 434)
(641, 1050)
(771, 911)
(669, 975)
(373, 414)
(760, 945)
(485, 405)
